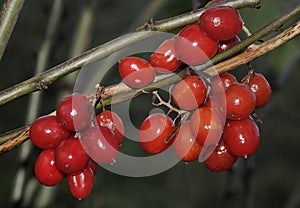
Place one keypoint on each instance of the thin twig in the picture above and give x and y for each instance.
(8, 18)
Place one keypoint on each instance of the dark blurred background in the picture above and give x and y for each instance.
(270, 178)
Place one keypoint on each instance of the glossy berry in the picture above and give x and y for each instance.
(241, 137)
(206, 125)
(225, 44)
(111, 120)
(153, 132)
(45, 169)
(164, 58)
(240, 101)
(220, 159)
(193, 46)
(45, 132)
(189, 93)
(221, 23)
(70, 157)
(261, 88)
(221, 83)
(136, 72)
(81, 183)
(227, 79)
(100, 143)
(186, 146)
(75, 112)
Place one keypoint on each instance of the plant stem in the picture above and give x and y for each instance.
(8, 18)
(44, 80)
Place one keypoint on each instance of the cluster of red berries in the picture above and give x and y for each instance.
(218, 129)
(67, 137)
(203, 135)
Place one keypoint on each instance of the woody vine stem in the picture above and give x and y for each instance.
(120, 92)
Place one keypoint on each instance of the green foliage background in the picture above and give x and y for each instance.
(271, 175)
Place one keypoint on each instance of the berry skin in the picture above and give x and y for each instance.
(221, 83)
(45, 169)
(189, 93)
(240, 101)
(225, 44)
(70, 157)
(193, 46)
(93, 166)
(227, 79)
(111, 120)
(164, 58)
(261, 88)
(186, 146)
(221, 23)
(81, 183)
(153, 132)
(75, 112)
(220, 159)
(45, 132)
(241, 137)
(136, 72)
(100, 143)
(206, 125)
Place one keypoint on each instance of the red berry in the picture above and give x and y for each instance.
(45, 132)
(189, 93)
(93, 166)
(70, 157)
(75, 112)
(111, 120)
(193, 46)
(240, 101)
(186, 146)
(136, 72)
(221, 83)
(153, 132)
(81, 183)
(164, 58)
(220, 159)
(100, 143)
(225, 44)
(261, 88)
(206, 125)
(241, 137)
(227, 79)
(45, 169)
(221, 23)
